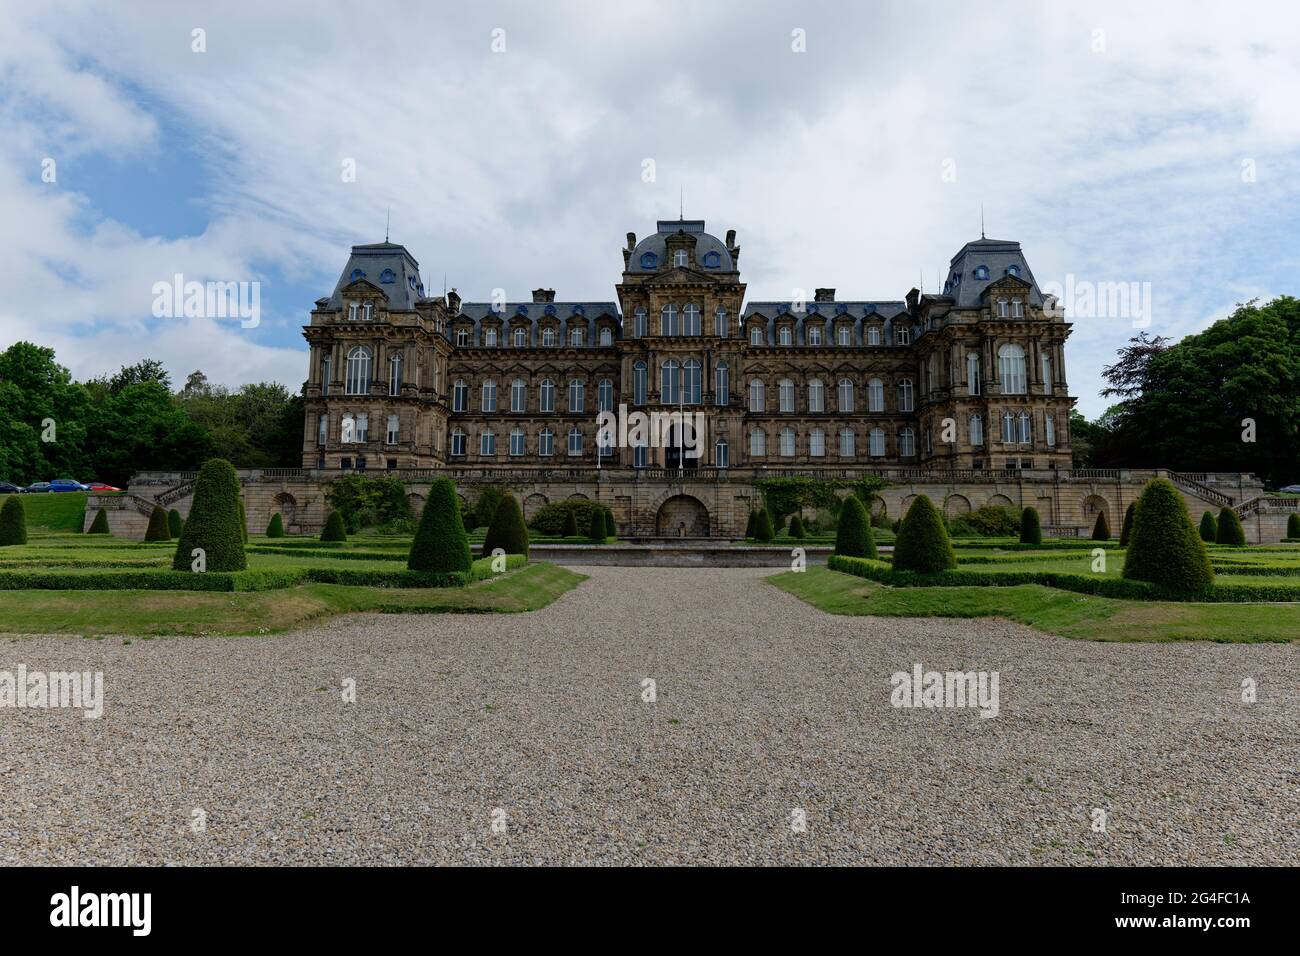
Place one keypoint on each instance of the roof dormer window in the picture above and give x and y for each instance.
(1013, 270)
(712, 260)
(353, 310)
(368, 312)
(357, 274)
(649, 260)
(680, 259)
(388, 276)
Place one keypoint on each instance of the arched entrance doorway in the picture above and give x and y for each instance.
(682, 516)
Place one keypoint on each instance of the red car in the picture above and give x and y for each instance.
(100, 486)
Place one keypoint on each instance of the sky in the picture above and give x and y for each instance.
(515, 145)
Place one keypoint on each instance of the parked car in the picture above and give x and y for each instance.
(38, 486)
(9, 488)
(67, 484)
(100, 486)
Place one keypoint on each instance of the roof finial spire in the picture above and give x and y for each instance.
(681, 203)
(981, 220)
(388, 218)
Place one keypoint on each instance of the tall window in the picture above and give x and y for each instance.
(487, 442)
(692, 386)
(815, 335)
(395, 375)
(720, 456)
(722, 384)
(786, 395)
(1047, 372)
(972, 373)
(875, 396)
(845, 335)
(906, 443)
(903, 337)
(670, 382)
(462, 338)
(459, 396)
(876, 443)
(1003, 311)
(1017, 309)
(458, 442)
(354, 310)
(639, 383)
(640, 455)
(787, 442)
(358, 374)
(606, 338)
(757, 443)
(873, 335)
(721, 327)
(393, 428)
(490, 338)
(784, 335)
(521, 337)
(577, 336)
(1011, 369)
(1025, 436)
(548, 338)
(546, 394)
(546, 443)
(817, 443)
(642, 324)
(575, 441)
(844, 400)
(1008, 428)
(679, 258)
(1049, 429)
(848, 443)
(519, 395)
(755, 335)
(489, 403)
(325, 375)
(691, 320)
(976, 430)
(906, 400)
(576, 389)
(516, 442)
(368, 311)
(816, 396)
(605, 395)
(668, 320)
(756, 398)
(322, 430)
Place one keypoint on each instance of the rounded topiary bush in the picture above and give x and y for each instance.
(796, 527)
(1293, 526)
(175, 523)
(13, 522)
(763, 526)
(1209, 528)
(570, 529)
(1101, 528)
(158, 530)
(596, 528)
(1230, 530)
(276, 528)
(1126, 531)
(853, 537)
(922, 543)
(213, 522)
(749, 525)
(1031, 530)
(334, 530)
(100, 524)
(507, 530)
(440, 541)
(1165, 548)
(611, 527)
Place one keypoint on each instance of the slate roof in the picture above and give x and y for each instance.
(657, 244)
(998, 256)
(372, 262)
(825, 314)
(511, 312)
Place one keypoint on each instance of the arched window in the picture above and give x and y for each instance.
(692, 386)
(519, 395)
(845, 334)
(548, 338)
(487, 442)
(848, 443)
(1025, 436)
(395, 374)
(576, 389)
(815, 335)
(1008, 428)
(817, 443)
(639, 383)
(906, 400)
(787, 442)
(720, 453)
(722, 384)
(845, 396)
(516, 442)
(521, 337)
(691, 320)
(459, 396)
(755, 335)
(721, 326)
(462, 338)
(875, 396)
(906, 443)
(873, 335)
(668, 320)
(757, 400)
(679, 258)
(489, 403)
(606, 338)
(490, 338)
(972, 373)
(670, 382)
(546, 443)
(784, 335)
(1017, 309)
(785, 395)
(642, 324)
(546, 394)
(354, 311)
(981, 272)
(605, 395)
(816, 396)
(575, 441)
(1011, 369)
(976, 430)
(757, 443)
(325, 366)
(347, 429)
(458, 442)
(1003, 310)
(368, 312)
(358, 371)
(577, 336)
(903, 336)
(876, 443)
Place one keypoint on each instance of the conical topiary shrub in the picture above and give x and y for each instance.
(596, 527)
(213, 523)
(1165, 548)
(796, 528)
(158, 530)
(100, 524)
(1031, 531)
(853, 537)
(570, 523)
(175, 524)
(334, 530)
(486, 507)
(1293, 526)
(440, 541)
(1101, 528)
(1230, 529)
(276, 528)
(1209, 528)
(611, 528)
(749, 525)
(13, 522)
(763, 526)
(922, 544)
(507, 530)
(1126, 531)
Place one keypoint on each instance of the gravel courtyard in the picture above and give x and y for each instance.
(538, 723)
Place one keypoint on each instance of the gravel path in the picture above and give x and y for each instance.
(764, 706)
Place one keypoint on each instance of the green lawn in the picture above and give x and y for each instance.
(64, 511)
(1059, 612)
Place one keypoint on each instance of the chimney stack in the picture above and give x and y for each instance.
(453, 302)
(824, 295)
(543, 295)
(631, 240)
(731, 238)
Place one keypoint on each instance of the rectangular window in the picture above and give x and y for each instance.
(363, 427)
(322, 426)
(392, 429)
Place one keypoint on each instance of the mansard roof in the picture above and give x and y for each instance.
(534, 312)
(386, 265)
(656, 245)
(966, 283)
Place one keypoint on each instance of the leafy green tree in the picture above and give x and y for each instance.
(141, 428)
(1031, 529)
(1209, 528)
(1165, 548)
(13, 522)
(922, 543)
(440, 543)
(853, 537)
(507, 530)
(213, 523)
(365, 502)
(1230, 530)
(158, 530)
(334, 529)
(44, 414)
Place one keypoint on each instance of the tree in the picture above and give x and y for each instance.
(1126, 531)
(44, 414)
(611, 527)
(213, 524)
(365, 502)
(13, 522)
(1031, 530)
(597, 530)
(507, 530)
(141, 427)
(797, 529)
(175, 523)
(1101, 528)
(100, 524)
(440, 543)
(1165, 548)
(334, 529)
(922, 543)
(1209, 528)
(853, 537)
(276, 528)
(763, 525)
(488, 500)
(1230, 530)
(158, 530)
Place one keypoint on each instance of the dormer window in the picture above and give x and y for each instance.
(982, 272)
(649, 260)
(680, 259)
(353, 310)
(606, 338)
(903, 337)
(548, 338)
(357, 274)
(712, 260)
(490, 338)
(784, 335)
(576, 337)
(368, 312)
(815, 336)
(1013, 270)
(462, 337)
(873, 335)
(1003, 309)
(756, 335)
(845, 335)
(1017, 309)
(521, 338)
(388, 276)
